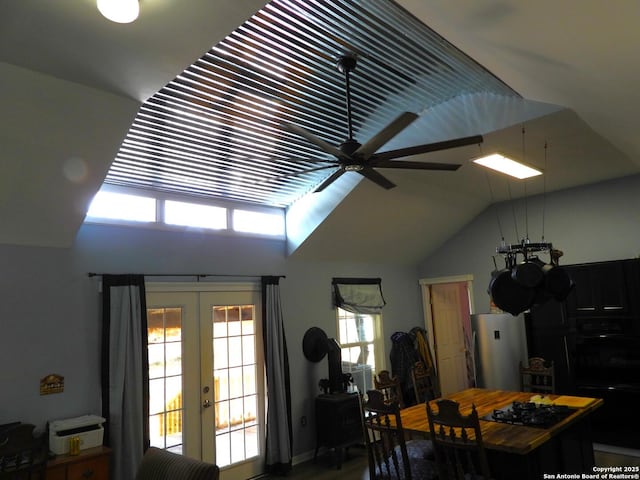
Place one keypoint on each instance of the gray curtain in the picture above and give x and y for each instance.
(279, 427)
(125, 372)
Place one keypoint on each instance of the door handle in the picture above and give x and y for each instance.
(206, 403)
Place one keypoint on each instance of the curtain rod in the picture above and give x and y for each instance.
(198, 275)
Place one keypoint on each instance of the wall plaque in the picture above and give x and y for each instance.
(52, 383)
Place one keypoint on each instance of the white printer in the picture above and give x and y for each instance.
(88, 428)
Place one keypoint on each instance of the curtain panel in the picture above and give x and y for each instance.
(279, 428)
(125, 372)
(358, 295)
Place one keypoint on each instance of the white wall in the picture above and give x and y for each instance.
(589, 224)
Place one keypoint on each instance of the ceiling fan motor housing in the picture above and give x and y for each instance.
(347, 63)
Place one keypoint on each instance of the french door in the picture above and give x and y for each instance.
(206, 374)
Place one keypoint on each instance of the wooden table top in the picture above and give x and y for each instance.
(502, 436)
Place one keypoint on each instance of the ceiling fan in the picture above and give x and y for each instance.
(351, 156)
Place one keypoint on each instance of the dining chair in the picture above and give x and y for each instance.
(390, 387)
(390, 455)
(457, 442)
(159, 464)
(424, 383)
(22, 455)
(538, 376)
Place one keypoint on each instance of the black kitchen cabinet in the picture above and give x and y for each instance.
(338, 422)
(604, 289)
(593, 337)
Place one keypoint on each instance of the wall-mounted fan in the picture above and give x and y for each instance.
(352, 156)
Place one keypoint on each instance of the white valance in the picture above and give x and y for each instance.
(358, 295)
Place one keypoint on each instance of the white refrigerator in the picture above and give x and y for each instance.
(499, 344)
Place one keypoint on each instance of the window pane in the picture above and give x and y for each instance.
(221, 382)
(249, 380)
(358, 339)
(251, 441)
(156, 396)
(235, 351)
(220, 358)
(258, 222)
(174, 358)
(248, 350)
(238, 450)
(194, 215)
(120, 206)
(223, 450)
(235, 382)
(250, 409)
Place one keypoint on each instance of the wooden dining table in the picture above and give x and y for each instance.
(514, 449)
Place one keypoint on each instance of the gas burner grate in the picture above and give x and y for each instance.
(530, 414)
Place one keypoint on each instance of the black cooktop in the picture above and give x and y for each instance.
(530, 414)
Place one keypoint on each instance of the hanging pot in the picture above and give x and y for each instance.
(529, 273)
(557, 282)
(508, 294)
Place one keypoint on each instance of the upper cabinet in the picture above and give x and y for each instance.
(604, 289)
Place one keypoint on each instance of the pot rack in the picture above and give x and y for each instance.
(527, 249)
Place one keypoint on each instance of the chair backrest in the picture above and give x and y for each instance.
(158, 464)
(424, 383)
(384, 439)
(457, 442)
(21, 454)
(538, 377)
(390, 387)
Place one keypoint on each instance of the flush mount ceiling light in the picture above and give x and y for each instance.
(503, 164)
(119, 11)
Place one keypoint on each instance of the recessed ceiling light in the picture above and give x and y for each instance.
(119, 11)
(503, 164)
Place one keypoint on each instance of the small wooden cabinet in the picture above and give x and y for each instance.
(90, 464)
(338, 422)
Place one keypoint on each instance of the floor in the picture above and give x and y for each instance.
(355, 464)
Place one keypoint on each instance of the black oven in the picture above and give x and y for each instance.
(610, 360)
(606, 364)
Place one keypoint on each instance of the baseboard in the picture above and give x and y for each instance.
(304, 457)
(631, 452)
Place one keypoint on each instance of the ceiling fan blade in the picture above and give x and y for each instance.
(386, 134)
(376, 177)
(332, 178)
(429, 147)
(415, 165)
(325, 146)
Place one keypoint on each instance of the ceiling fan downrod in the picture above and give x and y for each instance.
(347, 64)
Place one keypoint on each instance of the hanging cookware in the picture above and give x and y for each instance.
(529, 273)
(508, 294)
(557, 282)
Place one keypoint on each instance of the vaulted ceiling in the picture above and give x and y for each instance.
(72, 84)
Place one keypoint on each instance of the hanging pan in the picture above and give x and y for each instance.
(508, 294)
(529, 273)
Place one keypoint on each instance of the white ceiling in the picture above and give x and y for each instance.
(71, 83)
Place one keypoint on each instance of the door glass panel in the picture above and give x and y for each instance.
(164, 336)
(234, 367)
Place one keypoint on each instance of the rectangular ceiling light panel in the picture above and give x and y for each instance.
(506, 165)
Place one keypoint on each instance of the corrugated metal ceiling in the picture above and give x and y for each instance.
(215, 130)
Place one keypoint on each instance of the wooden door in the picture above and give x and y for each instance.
(447, 310)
